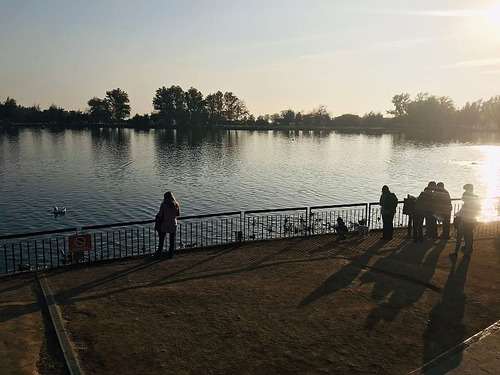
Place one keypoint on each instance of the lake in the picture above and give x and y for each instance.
(112, 175)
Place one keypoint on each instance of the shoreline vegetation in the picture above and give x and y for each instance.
(175, 108)
(270, 127)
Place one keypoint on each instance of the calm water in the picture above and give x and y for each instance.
(110, 175)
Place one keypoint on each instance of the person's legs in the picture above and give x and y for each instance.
(388, 229)
(468, 238)
(460, 233)
(418, 222)
(446, 226)
(390, 220)
(161, 241)
(172, 246)
(385, 227)
(431, 226)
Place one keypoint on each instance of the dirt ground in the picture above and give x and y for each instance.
(28, 344)
(296, 306)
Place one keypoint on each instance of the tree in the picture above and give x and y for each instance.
(99, 111)
(490, 113)
(76, 117)
(118, 104)
(262, 120)
(400, 111)
(215, 107)
(170, 105)
(195, 106)
(373, 120)
(8, 109)
(55, 114)
(318, 117)
(469, 115)
(287, 117)
(347, 121)
(234, 108)
(431, 111)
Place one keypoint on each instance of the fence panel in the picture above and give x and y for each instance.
(50, 249)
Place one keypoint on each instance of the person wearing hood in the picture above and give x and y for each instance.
(466, 219)
(443, 208)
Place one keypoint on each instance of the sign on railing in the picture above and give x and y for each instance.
(39, 250)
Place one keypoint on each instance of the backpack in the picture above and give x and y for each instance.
(392, 202)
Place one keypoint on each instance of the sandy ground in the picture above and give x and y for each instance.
(297, 306)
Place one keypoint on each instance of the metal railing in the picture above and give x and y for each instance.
(51, 249)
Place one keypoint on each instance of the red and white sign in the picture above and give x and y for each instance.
(80, 243)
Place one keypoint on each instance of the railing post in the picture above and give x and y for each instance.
(308, 221)
(242, 235)
(369, 215)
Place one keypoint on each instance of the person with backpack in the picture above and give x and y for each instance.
(388, 203)
(431, 230)
(419, 211)
(443, 208)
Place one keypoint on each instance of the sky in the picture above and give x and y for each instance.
(351, 56)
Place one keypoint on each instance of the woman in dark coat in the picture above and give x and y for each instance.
(166, 220)
(388, 203)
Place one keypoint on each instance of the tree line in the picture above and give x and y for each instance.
(174, 107)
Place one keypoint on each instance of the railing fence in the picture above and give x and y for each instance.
(50, 249)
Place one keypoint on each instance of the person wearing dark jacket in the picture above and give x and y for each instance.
(467, 219)
(419, 211)
(443, 208)
(167, 223)
(430, 219)
(388, 203)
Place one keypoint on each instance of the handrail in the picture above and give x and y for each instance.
(41, 233)
(192, 217)
(337, 206)
(276, 210)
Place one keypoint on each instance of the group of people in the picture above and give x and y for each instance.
(434, 205)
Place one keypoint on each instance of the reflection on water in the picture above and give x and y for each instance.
(113, 175)
(490, 173)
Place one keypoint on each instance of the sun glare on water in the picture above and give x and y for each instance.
(490, 173)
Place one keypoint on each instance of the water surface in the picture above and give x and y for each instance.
(114, 175)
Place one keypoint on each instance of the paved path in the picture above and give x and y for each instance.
(479, 355)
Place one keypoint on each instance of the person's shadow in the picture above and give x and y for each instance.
(412, 267)
(344, 277)
(446, 329)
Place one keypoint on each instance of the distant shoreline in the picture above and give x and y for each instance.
(388, 129)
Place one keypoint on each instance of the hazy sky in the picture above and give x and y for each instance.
(351, 56)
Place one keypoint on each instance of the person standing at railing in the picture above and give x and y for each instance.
(466, 219)
(430, 220)
(166, 222)
(388, 203)
(443, 208)
(419, 211)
